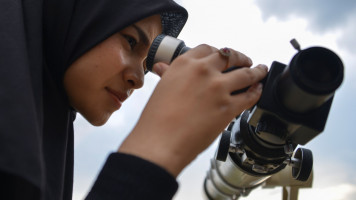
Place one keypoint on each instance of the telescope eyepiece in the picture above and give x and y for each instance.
(165, 49)
(317, 70)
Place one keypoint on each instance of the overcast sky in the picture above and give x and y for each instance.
(322, 15)
(262, 30)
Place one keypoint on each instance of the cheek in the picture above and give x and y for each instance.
(92, 102)
(87, 94)
(86, 79)
(109, 65)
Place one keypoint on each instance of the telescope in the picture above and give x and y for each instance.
(264, 140)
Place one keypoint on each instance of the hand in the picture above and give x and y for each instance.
(191, 106)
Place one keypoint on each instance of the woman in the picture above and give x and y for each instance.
(63, 57)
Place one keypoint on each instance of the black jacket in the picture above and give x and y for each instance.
(39, 39)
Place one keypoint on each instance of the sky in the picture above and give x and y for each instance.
(262, 30)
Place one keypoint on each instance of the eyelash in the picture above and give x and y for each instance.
(132, 41)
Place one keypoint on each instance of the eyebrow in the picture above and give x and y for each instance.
(142, 35)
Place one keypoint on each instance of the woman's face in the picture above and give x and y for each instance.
(104, 77)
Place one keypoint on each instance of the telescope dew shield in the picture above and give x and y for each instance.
(309, 80)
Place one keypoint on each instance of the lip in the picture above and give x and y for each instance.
(119, 97)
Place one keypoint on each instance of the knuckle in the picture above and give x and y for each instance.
(217, 85)
(225, 108)
(252, 98)
(203, 46)
(206, 47)
(238, 54)
(241, 58)
(200, 68)
(225, 104)
(249, 75)
(183, 60)
(226, 101)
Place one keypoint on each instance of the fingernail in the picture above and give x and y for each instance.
(263, 67)
(260, 86)
(157, 68)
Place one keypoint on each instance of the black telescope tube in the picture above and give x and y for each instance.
(309, 80)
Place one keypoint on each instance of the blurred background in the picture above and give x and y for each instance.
(262, 30)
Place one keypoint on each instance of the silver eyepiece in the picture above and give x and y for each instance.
(165, 49)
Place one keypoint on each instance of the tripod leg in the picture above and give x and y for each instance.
(290, 193)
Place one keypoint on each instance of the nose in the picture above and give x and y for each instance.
(134, 76)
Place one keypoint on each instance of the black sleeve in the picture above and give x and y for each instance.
(16, 188)
(129, 177)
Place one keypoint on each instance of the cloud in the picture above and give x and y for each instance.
(322, 15)
(348, 40)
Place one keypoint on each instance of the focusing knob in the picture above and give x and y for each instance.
(224, 146)
(305, 156)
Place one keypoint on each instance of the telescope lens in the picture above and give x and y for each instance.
(320, 72)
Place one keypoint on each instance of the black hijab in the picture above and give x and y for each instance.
(38, 41)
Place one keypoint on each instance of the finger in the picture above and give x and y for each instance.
(247, 99)
(201, 51)
(222, 62)
(160, 68)
(244, 77)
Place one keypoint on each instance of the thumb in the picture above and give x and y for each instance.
(160, 68)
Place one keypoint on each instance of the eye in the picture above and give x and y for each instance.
(132, 41)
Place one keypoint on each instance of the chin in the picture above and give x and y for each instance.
(97, 120)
